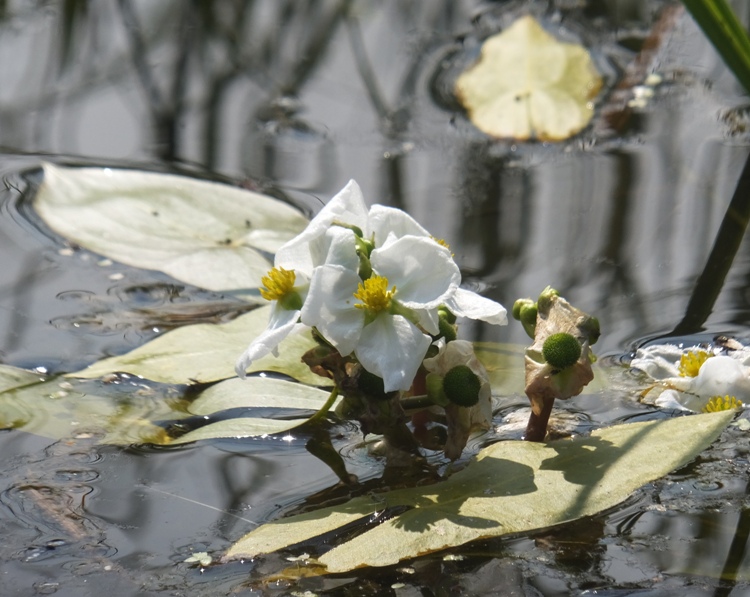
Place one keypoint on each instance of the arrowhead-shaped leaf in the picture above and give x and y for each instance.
(207, 234)
(511, 487)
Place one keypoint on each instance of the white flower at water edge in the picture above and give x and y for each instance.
(379, 319)
(691, 377)
(379, 225)
(286, 286)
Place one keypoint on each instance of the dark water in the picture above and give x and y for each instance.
(297, 97)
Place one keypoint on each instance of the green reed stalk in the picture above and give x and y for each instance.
(726, 33)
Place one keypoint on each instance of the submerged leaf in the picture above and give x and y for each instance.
(60, 408)
(511, 487)
(528, 84)
(207, 234)
(207, 352)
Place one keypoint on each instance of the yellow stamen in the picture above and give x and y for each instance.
(717, 404)
(691, 362)
(374, 294)
(442, 243)
(277, 284)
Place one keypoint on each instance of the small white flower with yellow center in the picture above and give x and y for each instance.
(692, 376)
(378, 319)
(286, 287)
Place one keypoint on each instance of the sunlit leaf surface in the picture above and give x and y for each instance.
(527, 84)
(207, 352)
(207, 234)
(511, 487)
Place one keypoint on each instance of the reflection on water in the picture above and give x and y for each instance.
(296, 98)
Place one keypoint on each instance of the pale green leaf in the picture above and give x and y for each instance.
(207, 234)
(253, 392)
(528, 84)
(258, 392)
(60, 408)
(510, 487)
(13, 377)
(207, 352)
(239, 428)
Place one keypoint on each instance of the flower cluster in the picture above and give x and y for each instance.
(697, 378)
(372, 283)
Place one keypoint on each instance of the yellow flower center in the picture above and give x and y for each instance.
(691, 362)
(717, 403)
(374, 294)
(277, 284)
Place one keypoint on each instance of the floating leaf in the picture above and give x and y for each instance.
(239, 428)
(206, 234)
(528, 84)
(511, 487)
(207, 352)
(60, 408)
(253, 392)
(258, 392)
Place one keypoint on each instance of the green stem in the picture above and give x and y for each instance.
(326, 407)
(726, 33)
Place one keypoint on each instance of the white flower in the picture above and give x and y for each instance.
(691, 376)
(382, 225)
(286, 286)
(376, 318)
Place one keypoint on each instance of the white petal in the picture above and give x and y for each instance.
(659, 361)
(385, 221)
(670, 400)
(329, 306)
(722, 376)
(348, 206)
(282, 323)
(429, 320)
(466, 303)
(423, 272)
(336, 247)
(392, 348)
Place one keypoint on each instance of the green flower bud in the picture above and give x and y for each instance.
(519, 305)
(561, 350)
(591, 327)
(447, 330)
(365, 268)
(461, 385)
(444, 313)
(528, 313)
(545, 298)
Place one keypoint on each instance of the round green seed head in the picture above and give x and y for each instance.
(561, 350)
(461, 385)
